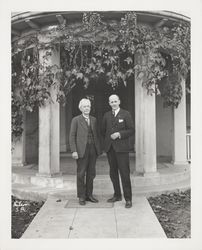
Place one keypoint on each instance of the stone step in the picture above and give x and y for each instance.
(166, 175)
(38, 193)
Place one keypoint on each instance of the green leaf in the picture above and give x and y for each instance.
(98, 53)
(92, 66)
(100, 70)
(86, 80)
(88, 70)
(107, 62)
(125, 83)
(129, 72)
(115, 49)
(29, 81)
(79, 76)
(128, 60)
(112, 59)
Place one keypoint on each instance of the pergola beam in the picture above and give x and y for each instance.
(15, 32)
(32, 24)
(161, 22)
(61, 19)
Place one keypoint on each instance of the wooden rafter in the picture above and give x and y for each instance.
(161, 22)
(32, 24)
(15, 32)
(61, 19)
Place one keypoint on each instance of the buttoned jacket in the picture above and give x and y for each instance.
(123, 124)
(78, 136)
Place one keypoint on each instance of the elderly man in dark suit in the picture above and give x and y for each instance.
(85, 147)
(117, 127)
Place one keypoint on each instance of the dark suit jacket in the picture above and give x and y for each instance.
(123, 124)
(79, 133)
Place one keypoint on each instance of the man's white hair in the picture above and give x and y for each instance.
(84, 100)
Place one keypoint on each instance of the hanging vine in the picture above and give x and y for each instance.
(97, 48)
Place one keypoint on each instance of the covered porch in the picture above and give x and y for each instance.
(159, 137)
(158, 151)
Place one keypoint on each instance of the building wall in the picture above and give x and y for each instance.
(163, 130)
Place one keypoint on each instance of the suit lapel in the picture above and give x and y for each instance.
(118, 116)
(110, 118)
(91, 122)
(83, 122)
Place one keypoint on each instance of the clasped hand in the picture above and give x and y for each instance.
(75, 155)
(115, 135)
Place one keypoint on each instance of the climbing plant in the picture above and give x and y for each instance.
(95, 47)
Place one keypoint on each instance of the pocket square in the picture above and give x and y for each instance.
(120, 120)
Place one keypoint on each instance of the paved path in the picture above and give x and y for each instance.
(55, 220)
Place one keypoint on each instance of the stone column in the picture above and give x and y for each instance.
(18, 148)
(68, 118)
(145, 127)
(63, 142)
(49, 133)
(179, 130)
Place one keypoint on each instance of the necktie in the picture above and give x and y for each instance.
(113, 113)
(88, 121)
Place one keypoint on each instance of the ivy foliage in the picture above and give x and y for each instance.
(93, 48)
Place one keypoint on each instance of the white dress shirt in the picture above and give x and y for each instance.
(115, 114)
(116, 111)
(87, 118)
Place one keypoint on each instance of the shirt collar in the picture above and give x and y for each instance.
(116, 111)
(86, 117)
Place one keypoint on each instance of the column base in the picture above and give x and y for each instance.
(18, 164)
(48, 180)
(49, 175)
(151, 174)
(180, 162)
(146, 179)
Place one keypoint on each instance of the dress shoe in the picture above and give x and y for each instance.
(82, 201)
(114, 199)
(128, 204)
(92, 199)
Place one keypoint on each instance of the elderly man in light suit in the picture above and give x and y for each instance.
(85, 147)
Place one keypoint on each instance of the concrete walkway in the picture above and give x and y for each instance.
(56, 220)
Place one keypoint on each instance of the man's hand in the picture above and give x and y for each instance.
(75, 155)
(115, 135)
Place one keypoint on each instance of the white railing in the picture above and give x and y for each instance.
(188, 142)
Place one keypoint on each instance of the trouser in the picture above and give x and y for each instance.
(86, 172)
(119, 163)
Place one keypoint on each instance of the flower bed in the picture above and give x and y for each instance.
(23, 212)
(173, 212)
